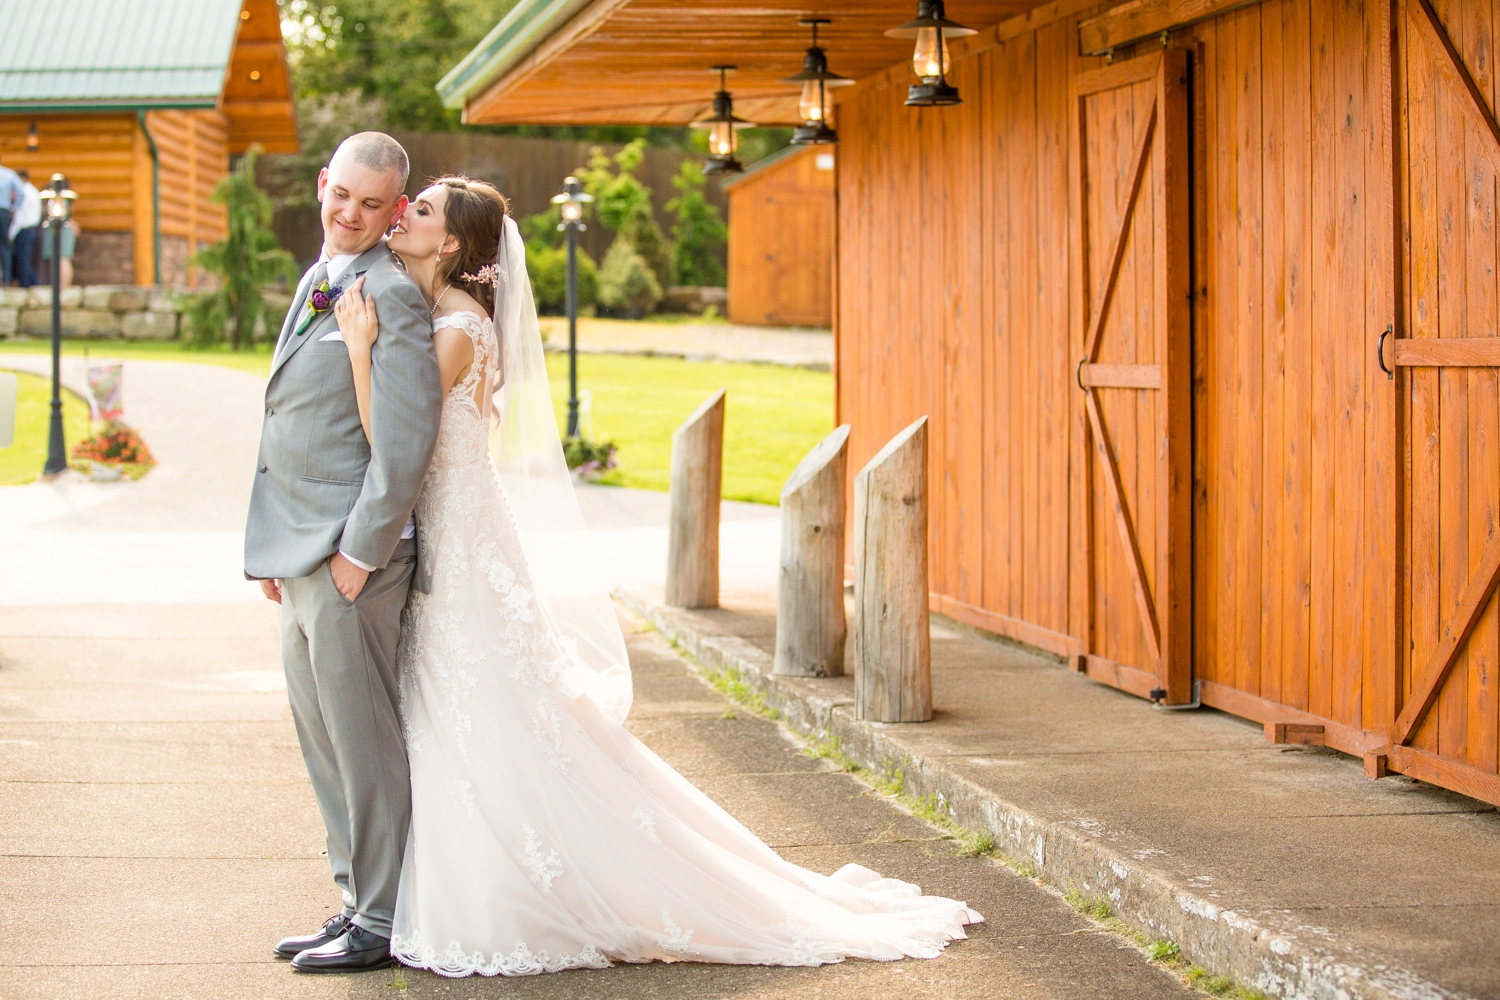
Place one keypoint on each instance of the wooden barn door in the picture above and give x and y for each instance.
(1447, 376)
(1131, 462)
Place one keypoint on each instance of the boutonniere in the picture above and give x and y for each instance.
(323, 297)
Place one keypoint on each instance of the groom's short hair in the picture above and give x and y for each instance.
(378, 151)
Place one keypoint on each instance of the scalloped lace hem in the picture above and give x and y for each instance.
(456, 963)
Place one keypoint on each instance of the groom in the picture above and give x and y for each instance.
(330, 537)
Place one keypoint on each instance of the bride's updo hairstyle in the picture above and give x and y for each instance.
(475, 216)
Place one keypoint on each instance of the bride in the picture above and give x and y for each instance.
(544, 836)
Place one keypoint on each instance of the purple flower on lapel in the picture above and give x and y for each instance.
(323, 297)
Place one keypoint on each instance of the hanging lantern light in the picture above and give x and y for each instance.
(930, 60)
(33, 138)
(723, 130)
(816, 81)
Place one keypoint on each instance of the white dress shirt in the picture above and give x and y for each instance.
(337, 265)
(30, 212)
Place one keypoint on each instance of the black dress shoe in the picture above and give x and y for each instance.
(356, 950)
(293, 946)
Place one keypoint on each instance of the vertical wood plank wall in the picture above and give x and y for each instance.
(953, 298)
(781, 243)
(953, 293)
(1293, 600)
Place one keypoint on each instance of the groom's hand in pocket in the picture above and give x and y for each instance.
(272, 589)
(347, 577)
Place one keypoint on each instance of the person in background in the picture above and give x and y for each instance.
(23, 230)
(10, 201)
(69, 237)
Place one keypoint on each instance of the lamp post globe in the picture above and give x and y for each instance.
(57, 207)
(570, 202)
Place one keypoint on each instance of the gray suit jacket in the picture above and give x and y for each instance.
(319, 486)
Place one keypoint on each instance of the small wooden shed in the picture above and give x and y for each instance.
(141, 104)
(781, 225)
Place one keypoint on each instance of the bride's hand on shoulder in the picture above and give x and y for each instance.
(355, 313)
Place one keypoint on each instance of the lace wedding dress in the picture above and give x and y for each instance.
(544, 836)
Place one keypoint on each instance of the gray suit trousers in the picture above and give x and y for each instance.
(341, 679)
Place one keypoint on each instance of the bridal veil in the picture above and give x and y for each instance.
(527, 452)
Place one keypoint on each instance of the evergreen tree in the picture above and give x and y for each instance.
(246, 260)
(699, 231)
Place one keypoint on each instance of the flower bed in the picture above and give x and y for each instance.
(118, 447)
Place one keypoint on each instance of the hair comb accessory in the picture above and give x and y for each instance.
(489, 274)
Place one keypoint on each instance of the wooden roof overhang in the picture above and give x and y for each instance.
(646, 62)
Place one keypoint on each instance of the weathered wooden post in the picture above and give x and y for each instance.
(810, 627)
(696, 481)
(892, 639)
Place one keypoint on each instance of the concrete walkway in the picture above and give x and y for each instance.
(157, 830)
(795, 346)
(1281, 866)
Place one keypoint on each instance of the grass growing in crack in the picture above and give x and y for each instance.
(1163, 951)
(399, 983)
(1090, 906)
(1168, 955)
(729, 682)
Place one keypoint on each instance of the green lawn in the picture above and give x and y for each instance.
(773, 415)
(22, 462)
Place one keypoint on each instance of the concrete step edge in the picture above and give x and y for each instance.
(1270, 950)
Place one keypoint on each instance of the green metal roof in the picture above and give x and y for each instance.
(520, 31)
(80, 54)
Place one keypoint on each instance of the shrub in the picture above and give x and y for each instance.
(246, 260)
(699, 231)
(623, 204)
(626, 284)
(548, 269)
(589, 459)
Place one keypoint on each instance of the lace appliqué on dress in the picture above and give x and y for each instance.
(454, 962)
(646, 820)
(544, 868)
(465, 792)
(678, 942)
(546, 724)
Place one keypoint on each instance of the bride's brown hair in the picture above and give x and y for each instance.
(475, 216)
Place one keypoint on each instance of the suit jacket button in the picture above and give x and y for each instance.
(265, 468)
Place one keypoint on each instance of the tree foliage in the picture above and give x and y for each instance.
(394, 50)
(698, 232)
(323, 121)
(623, 204)
(246, 261)
(547, 267)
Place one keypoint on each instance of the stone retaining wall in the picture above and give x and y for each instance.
(94, 311)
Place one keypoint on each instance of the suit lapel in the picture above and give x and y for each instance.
(299, 303)
(309, 328)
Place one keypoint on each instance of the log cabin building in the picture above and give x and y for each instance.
(1200, 297)
(141, 104)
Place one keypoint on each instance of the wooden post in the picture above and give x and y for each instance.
(810, 626)
(892, 638)
(697, 478)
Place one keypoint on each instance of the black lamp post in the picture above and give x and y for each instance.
(816, 81)
(930, 60)
(57, 201)
(723, 130)
(571, 201)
